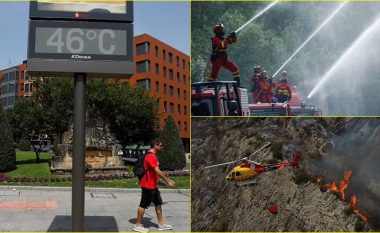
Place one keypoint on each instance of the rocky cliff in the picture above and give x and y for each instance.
(303, 204)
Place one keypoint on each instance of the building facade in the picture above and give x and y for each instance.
(14, 83)
(165, 73)
(159, 68)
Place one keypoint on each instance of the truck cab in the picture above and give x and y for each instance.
(219, 98)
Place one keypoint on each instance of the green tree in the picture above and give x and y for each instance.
(30, 120)
(7, 148)
(131, 114)
(173, 155)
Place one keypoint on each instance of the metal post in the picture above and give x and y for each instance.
(77, 208)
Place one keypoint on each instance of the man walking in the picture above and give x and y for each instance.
(149, 187)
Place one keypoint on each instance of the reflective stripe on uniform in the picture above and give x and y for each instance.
(235, 74)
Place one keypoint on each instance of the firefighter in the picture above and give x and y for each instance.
(254, 83)
(283, 91)
(265, 95)
(219, 57)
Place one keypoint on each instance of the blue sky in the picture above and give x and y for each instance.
(166, 21)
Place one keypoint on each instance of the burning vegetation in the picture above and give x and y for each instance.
(340, 190)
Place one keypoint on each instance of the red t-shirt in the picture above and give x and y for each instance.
(150, 163)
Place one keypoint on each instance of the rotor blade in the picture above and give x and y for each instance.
(254, 162)
(259, 149)
(221, 164)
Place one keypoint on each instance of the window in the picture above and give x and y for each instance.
(11, 88)
(4, 90)
(164, 72)
(178, 93)
(157, 69)
(12, 75)
(144, 83)
(165, 106)
(4, 102)
(27, 87)
(184, 79)
(178, 77)
(157, 86)
(171, 91)
(179, 109)
(156, 51)
(185, 110)
(177, 61)
(6, 77)
(170, 74)
(165, 89)
(183, 64)
(164, 54)
(142, 48)
(185, 127)
(170, 57)
(179, 126)
(143, 66)
(184, 94)
(171, 108)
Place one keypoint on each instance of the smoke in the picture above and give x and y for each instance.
(357, 148)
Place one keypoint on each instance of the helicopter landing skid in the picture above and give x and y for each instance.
(247, 182)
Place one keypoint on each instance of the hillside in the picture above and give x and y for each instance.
(220, 205)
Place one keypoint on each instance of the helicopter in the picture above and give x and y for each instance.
(246, 172)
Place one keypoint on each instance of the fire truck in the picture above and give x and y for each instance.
(219, 98)
(300, 108)
(270, 109)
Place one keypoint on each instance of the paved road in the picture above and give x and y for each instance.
(49, 209)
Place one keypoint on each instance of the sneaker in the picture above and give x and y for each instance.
(164, 227)
(140, 228)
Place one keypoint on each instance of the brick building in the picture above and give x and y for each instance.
(165, 73)
(161, 69)
(14, 83)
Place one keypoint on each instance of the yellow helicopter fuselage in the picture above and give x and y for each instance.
(240, 173)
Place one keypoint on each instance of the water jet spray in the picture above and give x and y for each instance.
(256, 16)
(311, 36)
(365, 35)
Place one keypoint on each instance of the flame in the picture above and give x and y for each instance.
(332, 187)
(353, 203)
(343, 184)
(341, 189)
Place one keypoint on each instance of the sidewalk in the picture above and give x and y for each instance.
(49, 209)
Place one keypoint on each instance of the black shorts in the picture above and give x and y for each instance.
(148, 196)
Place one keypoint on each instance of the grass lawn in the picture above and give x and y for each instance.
(27, 167)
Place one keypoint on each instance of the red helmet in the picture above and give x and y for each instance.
(219, 28)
